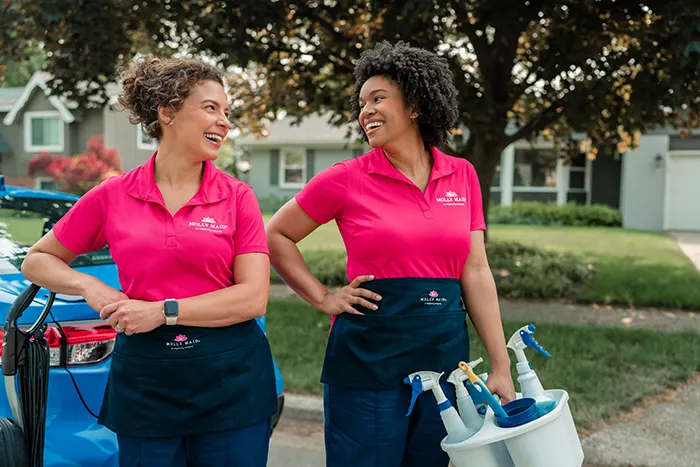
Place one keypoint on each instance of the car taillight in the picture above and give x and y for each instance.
(78, 344)
(88, 343)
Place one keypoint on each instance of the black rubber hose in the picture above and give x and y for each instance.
(34, 390)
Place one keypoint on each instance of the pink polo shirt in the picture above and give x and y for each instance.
(159, 255)
(390, 227)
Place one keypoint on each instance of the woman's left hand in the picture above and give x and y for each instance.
(501, 383)
(133, 316)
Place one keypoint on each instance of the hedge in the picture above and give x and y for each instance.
(535, 213)
(521, 272)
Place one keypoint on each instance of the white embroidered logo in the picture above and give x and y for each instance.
(433, 298)
(182, 342)
(208, 224)
(451, 198)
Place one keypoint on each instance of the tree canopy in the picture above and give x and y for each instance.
(523, 68)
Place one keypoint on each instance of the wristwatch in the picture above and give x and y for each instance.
(170, 311)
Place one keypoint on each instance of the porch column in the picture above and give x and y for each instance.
(562, 181)
(507, 168)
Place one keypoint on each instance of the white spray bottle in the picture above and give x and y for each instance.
(428, 380)
(465, 405)
(530, 385)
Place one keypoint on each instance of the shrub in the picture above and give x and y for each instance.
(528, 272)
(79, 173)
(522, 272)
(534, 213)
(327, 265)
(270, 204)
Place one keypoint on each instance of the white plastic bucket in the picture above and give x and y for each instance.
(549, 441)
(488, 455)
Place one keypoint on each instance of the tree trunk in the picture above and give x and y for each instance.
(485, 155)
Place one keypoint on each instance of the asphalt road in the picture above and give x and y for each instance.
(297, 444)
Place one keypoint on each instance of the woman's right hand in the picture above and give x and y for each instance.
(98, 295)
(343, 300)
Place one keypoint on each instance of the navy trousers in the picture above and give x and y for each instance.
(369, 428)
(241, 447)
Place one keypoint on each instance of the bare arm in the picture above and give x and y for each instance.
(481, 298)
(243, 301)
(47, 265)
(288, 226)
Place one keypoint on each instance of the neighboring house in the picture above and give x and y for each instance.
(284, 161)
(656, 187)
(32, 121)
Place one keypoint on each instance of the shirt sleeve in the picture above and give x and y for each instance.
(250, 230)
(81, 230)
(476, 208)
(323, 198)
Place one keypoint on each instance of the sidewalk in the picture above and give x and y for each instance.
(662, 432)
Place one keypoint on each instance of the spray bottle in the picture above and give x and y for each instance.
(429, 380)
(465, 405)
(530, 385)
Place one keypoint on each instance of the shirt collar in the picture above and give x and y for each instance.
(143, 184)
(379, 164)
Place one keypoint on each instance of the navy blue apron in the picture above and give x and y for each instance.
(421, 325)
(182, 380)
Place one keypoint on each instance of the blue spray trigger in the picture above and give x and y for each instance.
(529, 340)
(416, 390)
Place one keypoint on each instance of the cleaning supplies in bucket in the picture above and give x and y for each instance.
(465, 404)
(530, 385)
(483, 390)
(514, 413)
(429, 380)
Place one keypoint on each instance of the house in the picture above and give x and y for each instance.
(655, 187)
(32, 121)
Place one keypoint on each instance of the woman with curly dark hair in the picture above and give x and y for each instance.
(191, 379)
(412, 223)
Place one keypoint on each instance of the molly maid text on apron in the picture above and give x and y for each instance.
(180, 380)
(421, 325)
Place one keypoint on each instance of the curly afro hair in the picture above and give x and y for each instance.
(426, 82)
(150, 82)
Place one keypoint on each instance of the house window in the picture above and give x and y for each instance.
(43, 131)
(535, 169)
(292, 167)
(44, 183)
(496, 182)
(143, 141)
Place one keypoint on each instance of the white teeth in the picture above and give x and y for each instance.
(213, 136)
(374, 125)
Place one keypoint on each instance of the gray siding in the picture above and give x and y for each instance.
(121, 135)
(643, 184)
(264, 173)
(15, 165)
(88, 123)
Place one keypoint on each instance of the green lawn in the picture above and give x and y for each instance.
(25, 230)
(604, 370)
(633, 268)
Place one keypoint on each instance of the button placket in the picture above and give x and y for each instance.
(170, 231)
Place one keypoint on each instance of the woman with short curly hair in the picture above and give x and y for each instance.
(191, 378)
(412, 222)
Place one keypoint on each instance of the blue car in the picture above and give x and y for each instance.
(80, 343)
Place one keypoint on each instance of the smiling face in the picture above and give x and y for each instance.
(385, 116)
(200, 125)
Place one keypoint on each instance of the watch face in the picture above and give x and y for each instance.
(170, 308)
